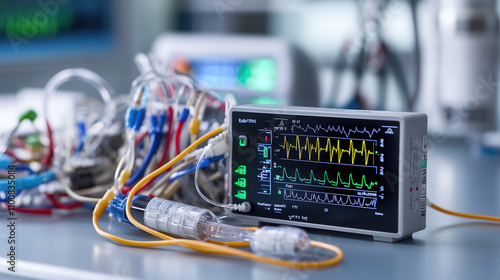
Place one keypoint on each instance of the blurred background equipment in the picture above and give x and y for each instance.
(439, 57)
(467, 57)
(40, 38)
(257, 69)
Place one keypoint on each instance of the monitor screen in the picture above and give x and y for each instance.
(319, 170)
(252, 74)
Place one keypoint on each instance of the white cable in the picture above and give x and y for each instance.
(223, 205)
(91, 78)
(243, 207)
(81, 74)
(125, 158)
(146, 78)
(229, 101)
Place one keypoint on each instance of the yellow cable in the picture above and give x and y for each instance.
(464, 215)
(213, 247)
(194, 123)
(222, 250)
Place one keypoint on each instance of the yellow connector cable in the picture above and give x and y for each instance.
(124, 175)
(194, 126)
(463, 215)
(194, 123)
(207, 247)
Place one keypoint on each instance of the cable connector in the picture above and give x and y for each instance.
(124, 175)
(244, 207)
(130, 117)
(194, 126)
(219, 145)
(103, 203)
(28, 115)
(184, 115)
(141, 113)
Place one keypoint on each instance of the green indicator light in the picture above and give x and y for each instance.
(244, 73)
(279, 191)
(242, 140)
(242, 182)
(424, 163)
(266, 152)
(258, 74)
(242, 170)
(264, 100)
(241, 194)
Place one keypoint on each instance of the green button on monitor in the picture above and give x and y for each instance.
(242, 140)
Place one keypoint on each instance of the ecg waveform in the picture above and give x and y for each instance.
(339, 129)
(326, 180)
(335, 152)
(336, 199)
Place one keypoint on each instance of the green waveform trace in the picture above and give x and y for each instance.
(338, 180)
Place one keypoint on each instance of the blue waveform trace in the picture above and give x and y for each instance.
(332, 198)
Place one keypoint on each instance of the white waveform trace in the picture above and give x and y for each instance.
(336, 199)
(338, 129)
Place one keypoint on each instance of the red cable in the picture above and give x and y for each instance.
(171, 90)
(141, 136)
(15, 158)
(169, 135)
(18, 142)
(125, 190)
(41, 211)
(60, 205)
(46, 161)
(178, 137)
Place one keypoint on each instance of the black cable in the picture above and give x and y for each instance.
(397, 70)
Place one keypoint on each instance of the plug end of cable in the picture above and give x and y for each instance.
(103, 203)
(280, 242)
(124, 176)
(244, 207)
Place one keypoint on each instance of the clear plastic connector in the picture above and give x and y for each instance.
(283, 241)
(197, 223)
(178, 219)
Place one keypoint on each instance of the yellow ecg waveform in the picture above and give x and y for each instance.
(335, 151)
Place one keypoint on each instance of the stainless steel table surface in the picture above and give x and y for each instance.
(450, 248)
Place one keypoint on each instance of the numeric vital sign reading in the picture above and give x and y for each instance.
(314, 169)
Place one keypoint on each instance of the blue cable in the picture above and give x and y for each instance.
(156, 131)
(184, 115)
(19, 167)
(5, 161)
(130, 117)
(28, 182)
(192, 168)
(139, 118)
(81, 135)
